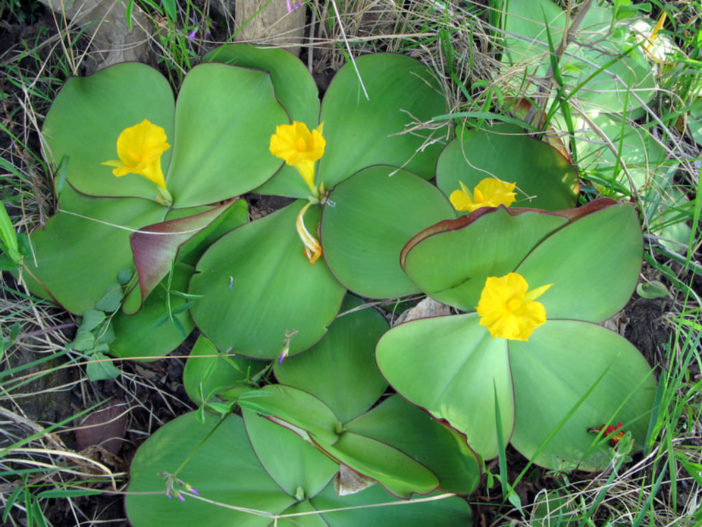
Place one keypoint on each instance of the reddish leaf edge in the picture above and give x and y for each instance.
(156, 246)
(453, 225)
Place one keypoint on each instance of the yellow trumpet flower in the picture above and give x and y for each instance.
(508, 309)
(300, 148)
(490, 192)
(139, 149)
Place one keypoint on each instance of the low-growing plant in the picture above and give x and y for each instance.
(311, 408)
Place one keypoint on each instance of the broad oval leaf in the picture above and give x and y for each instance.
(340, 370)
(293, 84)
(450, 261)
(297, 408)
(629, 146)
(151, 333)
(545, 179)
(223, 468)
(84, 246)
(383, 128)
(602, 69)
(210, 375)
(586, 376)
(442, 450)
(224, 120)
(257, 292)
(444, 512)
(296, 91)
(367, 221)
(453, 368)
(593, 264)
(394, 469)
(294, 464)
(88, 115)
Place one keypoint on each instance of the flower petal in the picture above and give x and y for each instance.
(508, 310)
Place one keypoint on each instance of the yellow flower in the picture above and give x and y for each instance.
(508, 310)
(139, 149)
(298, 147)
(490, 192)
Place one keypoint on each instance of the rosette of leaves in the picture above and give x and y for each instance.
(546, 394)
(253, 470)
(256, 291)
(331, 396)
(105, 226)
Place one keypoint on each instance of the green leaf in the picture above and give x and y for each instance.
(562, 360)
(100, 368)
(234, 216)
(296, 90)
(301, 514)
(92, 318)
(602, 67)
(291, 462)
(209, 372)
(140, 335)
(654, 289)
(223, 468)
(111, 300)
(445, 512)
(293, 84)
(448, 366)
(391, 467)
(362, 132)
(545, 179)
(633, 147)
(88, 115)
(255, 286)
(224, 119)
(84, 340)
(67, 493)
(340, 370)
(124, 276)
(155, 247)
(696, 121)
(450, 261)
(443, 451)
(8, 236)
(84, 246)
(299, 409)
(366, 223)
(169, 7)
(608, 241)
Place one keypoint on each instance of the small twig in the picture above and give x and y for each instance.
(348, 49)
(47, 330)
(542, 95)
